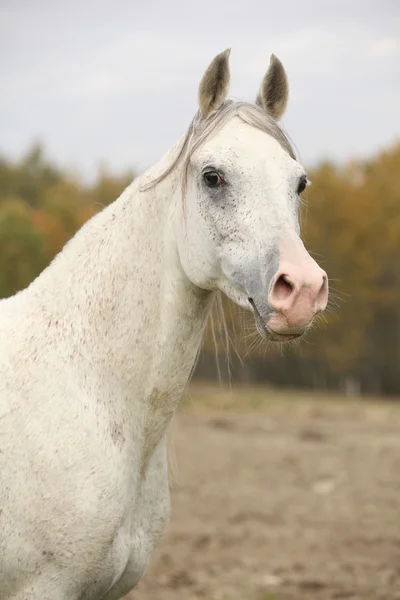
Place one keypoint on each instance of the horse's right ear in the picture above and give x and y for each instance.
(214, 85)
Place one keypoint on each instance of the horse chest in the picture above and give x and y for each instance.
(141, 529)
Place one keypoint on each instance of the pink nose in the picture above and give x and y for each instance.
(298, 293)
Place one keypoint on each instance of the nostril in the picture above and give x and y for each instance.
(282, 288)
(323, 292)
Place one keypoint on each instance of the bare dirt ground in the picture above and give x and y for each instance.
(281, 499)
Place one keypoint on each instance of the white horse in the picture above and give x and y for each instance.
(96, 352)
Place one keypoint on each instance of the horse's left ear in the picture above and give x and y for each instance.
(274, 90)
(214, 85)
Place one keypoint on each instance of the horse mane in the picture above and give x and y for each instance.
(200, 130)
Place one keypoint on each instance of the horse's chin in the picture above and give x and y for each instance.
(274, 336)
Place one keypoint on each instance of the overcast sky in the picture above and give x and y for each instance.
(117, 81)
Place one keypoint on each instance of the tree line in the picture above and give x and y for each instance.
(350, 223)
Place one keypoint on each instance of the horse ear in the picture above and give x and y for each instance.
(274, 90)
(214, 85)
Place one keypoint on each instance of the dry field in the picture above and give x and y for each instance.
(281, 496)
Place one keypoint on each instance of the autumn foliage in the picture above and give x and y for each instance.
(351, 225)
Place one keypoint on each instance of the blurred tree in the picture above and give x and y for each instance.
(30, 177)
(351, 225)
(22, 254)
(108, 187)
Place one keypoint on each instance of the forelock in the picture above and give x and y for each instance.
(201, 130)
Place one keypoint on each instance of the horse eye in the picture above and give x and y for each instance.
(212, 178)
(302, 185)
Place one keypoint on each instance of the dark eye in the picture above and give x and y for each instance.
(302, 185)
(213, 179)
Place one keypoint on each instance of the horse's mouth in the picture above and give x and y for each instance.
(266, 331)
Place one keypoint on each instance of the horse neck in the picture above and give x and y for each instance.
(119, 294)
